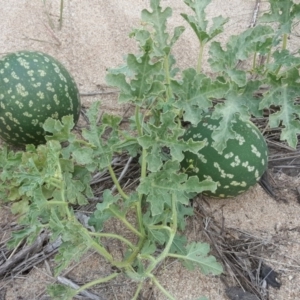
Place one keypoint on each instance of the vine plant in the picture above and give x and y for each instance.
(45, 182)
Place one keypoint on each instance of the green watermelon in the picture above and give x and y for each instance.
(238, 167)
(33, 87)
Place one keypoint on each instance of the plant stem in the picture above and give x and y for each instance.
(137, 121)
(126, 223)
(133, 255)
(200, 57)
(113, 236)
(284, 41)
(168, 79)
(97, 281)
(172, 230)
(254, 61)
(61, 14)
(284, 45)
(162, 289)
(116, 182)
(136, 294)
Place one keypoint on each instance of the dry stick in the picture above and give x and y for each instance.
(255, 14)
(123, 172)
(23, 253)
(98, 93)
(74, 286)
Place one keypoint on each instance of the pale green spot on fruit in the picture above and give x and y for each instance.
(229, 155)
(23, 62)
(30, 72)
(48, 106)
(236, 162)
(30, 103)
(255, 151)
(256, 132)
(8, 127)
(41, 95)
(250, 168)
(55, 115)
(27, 114)
(237, 183)
(42, 73)
(222, 172)
(20, 104)
(212, 127)
(50, 87)
(3, 121)
(6, 80)
(37, 85)
(14, 75)
(2, 105)
(21, 90)
(35, 122)
(55, 99)
(240, 139)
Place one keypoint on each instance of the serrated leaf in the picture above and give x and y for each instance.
(148, 248)
(199, 23)
(195, 94)
(158, 18)
(166, 134)
(179, 245)
(60, 130)
(282, 12)
(103, 150)
(197, 256)
(159, 187)
(239, 48)
(283, 92)
(108, 200)
(83, 155)
(60, 292)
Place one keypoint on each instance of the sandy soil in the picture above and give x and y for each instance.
(94, 37)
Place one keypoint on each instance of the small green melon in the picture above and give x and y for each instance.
(238, 167)
(33, 87)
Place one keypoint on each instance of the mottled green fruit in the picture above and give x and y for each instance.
(33, 87)
(238, 167)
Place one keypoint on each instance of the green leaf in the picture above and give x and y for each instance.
(60, 130)
(158, 18)
(74, 190)
(197, 256)
(159, 186)
(179, 245)
(199, 23)
(282, 12)
(108, 200)
(166, 134)
(103, 150)
(239, 48)
(283, 93)
(60, 292)
(103, 212)
(148, 248)
(195, 94)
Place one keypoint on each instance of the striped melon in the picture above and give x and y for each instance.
(33, 87)
(238, 167)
